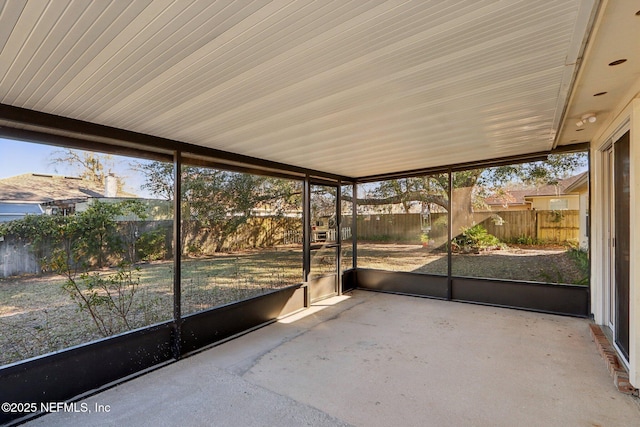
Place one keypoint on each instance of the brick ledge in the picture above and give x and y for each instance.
(616, 369)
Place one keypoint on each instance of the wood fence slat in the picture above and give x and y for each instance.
(508, 226)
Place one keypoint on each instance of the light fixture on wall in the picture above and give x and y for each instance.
(586, 118)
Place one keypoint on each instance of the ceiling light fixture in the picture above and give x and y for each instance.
(586, 118)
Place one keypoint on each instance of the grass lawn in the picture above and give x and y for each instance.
(37, 316)
(550, 264)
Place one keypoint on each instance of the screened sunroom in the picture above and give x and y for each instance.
(174, 177)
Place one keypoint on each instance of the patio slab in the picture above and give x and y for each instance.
(372, 359)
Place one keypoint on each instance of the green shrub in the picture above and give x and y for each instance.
(526, 240)
(581, 258)
(150, 246)
(476, 238)
(112, 300)
(74, 245)
(194, 249)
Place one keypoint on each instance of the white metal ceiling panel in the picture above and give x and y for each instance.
(354, 88)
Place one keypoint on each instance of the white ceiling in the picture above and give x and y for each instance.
(354, 88)
(616, 35)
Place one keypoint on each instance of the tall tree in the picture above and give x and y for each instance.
(220, 201)
(158, 178)
(469, 187)
(90, 166)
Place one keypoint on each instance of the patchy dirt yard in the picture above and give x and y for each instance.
(37, 316)
(551, 264)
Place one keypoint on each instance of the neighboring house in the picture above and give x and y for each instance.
(581, 187)
(563, 196)
(36, 194)
(15, 210)
(507, 200)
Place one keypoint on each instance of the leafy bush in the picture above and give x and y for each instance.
(527, 240)
(194, 249)
(474, 239)
(581, 258)
(73, 245)
(107, 298)
(150, 246)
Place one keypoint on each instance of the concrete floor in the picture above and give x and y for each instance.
(371, 359)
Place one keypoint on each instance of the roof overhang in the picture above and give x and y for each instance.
(351, 89)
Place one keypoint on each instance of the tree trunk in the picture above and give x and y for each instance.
(462, 209)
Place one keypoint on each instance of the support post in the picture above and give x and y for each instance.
(450, 237)
(306, 235)
(177, 256)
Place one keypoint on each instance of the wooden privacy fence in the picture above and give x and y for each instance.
(18, 257)
(559, 226)
(388, 227)
(534, 226)
(508, 226)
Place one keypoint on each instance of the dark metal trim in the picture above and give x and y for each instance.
(587, 226)
(323, 287)
(502, 161)
(315, 180)
(568, 300)
(316, 247)
(208, 327)
(449, 235)
(61, 376)
(81, 144)
(306, 227)
(73, 372)
(426, 285)
(406, 174)
(44, 125)
(339, 238)
(177, 255)
(354, 226)
(206, 161)
(349, 281)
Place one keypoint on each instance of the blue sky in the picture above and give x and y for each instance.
(17, 158)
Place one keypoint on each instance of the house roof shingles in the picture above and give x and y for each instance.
(40, 188)
(518, 197)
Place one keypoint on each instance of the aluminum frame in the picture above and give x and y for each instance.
(71, 373)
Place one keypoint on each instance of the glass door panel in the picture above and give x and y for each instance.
(324, 247)
(323, 214)
(622, 245)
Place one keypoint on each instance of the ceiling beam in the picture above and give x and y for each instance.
(35, 126)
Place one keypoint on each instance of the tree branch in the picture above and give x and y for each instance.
(411, 196)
